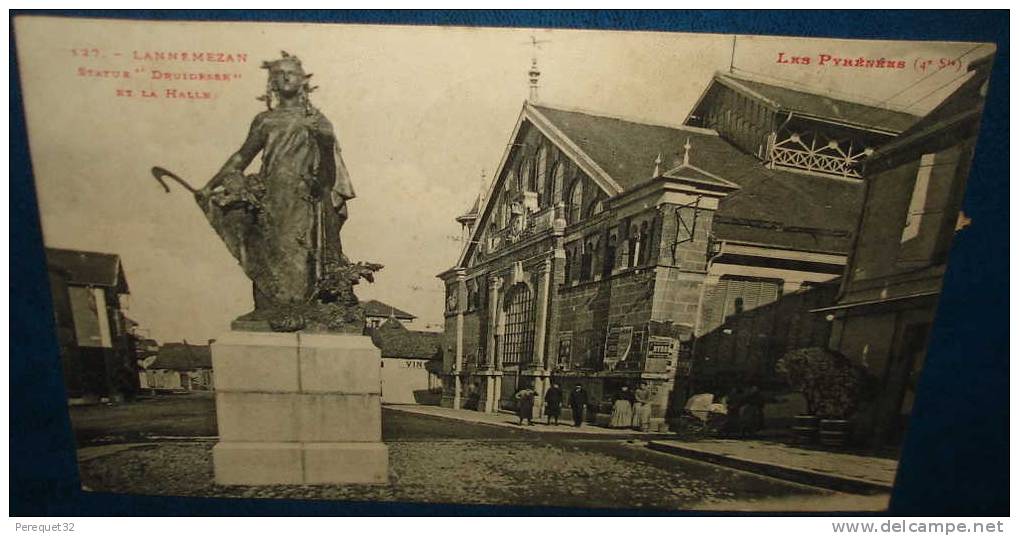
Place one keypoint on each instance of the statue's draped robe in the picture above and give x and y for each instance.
(297, 231)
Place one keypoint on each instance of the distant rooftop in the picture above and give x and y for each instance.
(88, 268)
(377, 308)
(395, 340)
(182, 356)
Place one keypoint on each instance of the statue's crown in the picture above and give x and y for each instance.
(286, 59)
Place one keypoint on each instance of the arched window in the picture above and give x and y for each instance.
(589, 261)
(518, 341)
(635, 247)
(598, 208)
(644, 249)
(539, 175)
(556, 184)
(526, 175)
(609, 262)
(576, 200)
(569, 259)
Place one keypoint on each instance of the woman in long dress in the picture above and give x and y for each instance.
(622, 409)
(642, 408)
(300, 193)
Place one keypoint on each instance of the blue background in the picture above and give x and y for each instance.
(955, 459)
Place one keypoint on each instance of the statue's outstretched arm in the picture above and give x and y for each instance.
(240, 160)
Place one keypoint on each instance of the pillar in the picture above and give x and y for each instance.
(491, 347)
(461, 294)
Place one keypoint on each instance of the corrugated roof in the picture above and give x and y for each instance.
(828, 107)
(182, 356)
(377, 308)
(88, 268)
(771, 207)
(395, 340)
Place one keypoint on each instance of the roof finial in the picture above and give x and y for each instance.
(481, 191)
(534, 73)
(686, 152)
(658, 166)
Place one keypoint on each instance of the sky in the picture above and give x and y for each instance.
(420, 114)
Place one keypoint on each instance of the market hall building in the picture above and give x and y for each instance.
(605, 247)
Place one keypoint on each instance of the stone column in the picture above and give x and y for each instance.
(540, 360)
(541, 319)
(494, 284)
(458, 364)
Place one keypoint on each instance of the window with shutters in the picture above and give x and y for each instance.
(518, 341)
(735, 295)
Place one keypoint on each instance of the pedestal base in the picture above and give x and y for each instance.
(298, 408)
(239, 463)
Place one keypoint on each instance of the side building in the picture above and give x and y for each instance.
(96, 347)
(179, 366)
(605, 247)
(411, 363)
(886, 306)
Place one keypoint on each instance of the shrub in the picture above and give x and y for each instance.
(831, 384)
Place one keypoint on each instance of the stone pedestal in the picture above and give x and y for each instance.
(298, 408)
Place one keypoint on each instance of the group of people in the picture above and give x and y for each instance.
(630, 409)
(577, 400)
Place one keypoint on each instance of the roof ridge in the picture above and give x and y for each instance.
(638, 121)
(827, 93)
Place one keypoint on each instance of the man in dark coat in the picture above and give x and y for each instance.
(578, 401)
(553, 403)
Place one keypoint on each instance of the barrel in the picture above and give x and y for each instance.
(834, 432)
(805, 428)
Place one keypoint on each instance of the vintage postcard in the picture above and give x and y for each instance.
(508, 266)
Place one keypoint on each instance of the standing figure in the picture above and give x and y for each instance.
(622, 409)
(578, 402)
(642, 408)
(283, 223)
(525, 405)
(553, 403)
(473, 398)
(751, 413)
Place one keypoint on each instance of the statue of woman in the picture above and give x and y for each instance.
(283, 223)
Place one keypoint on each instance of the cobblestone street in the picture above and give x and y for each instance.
(444, 461)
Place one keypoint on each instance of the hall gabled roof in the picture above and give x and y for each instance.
(770, 207)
